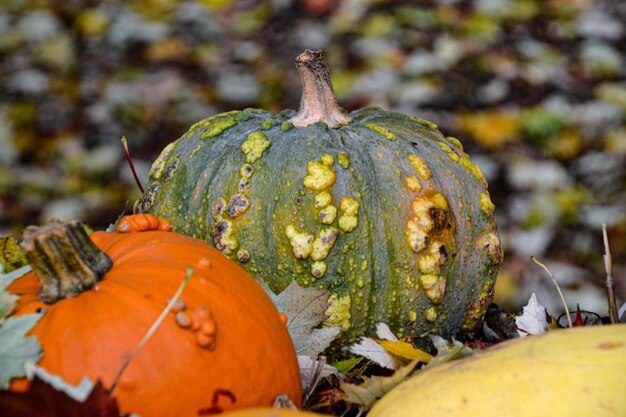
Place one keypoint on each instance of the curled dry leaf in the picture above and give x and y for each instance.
(533, 319)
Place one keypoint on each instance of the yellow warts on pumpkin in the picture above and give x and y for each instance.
(246, 171)
(434, 287)
(327, 159)
(455, 142)
(217, 124)
(478, 306)
(224, 237)
(237, 205)
(421, 208)
(253, 147)
(415, 236)
(324, 242)
(413, 184)
(343, 159)
(431, 314)
(380, 130)
(243, 255)
(301, 242)
(320, 176)
(486, 205)
(420, 166)
(350, 210)
(429, 213)
(490, 242)
(318, 269)
(327, 215)
(158, 167)
(338, 312)
(427, 123)
(428, 265)
(453, 155)
(322, 199)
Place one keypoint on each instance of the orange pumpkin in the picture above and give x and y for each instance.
(223, 346)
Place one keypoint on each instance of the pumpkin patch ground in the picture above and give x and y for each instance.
(313, 261)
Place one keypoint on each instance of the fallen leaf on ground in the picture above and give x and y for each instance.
(533, 319)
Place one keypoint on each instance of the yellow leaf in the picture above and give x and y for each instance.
(405, 350)
(493, 128)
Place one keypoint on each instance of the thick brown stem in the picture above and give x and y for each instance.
(318, 103)
(64, 259)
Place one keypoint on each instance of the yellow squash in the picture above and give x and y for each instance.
(565, 373)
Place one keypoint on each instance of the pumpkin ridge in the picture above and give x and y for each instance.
(277, 154)
(374, 217)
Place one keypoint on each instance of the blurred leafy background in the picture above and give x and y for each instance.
(535, 89)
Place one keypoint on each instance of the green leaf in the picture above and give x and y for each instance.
(16, 349)
(346, 365)
(11, 256)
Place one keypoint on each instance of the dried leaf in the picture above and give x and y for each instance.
(305, 309)
(373, 351)
(405, 351)
(43, 400)
(533, 319)
(384, 332)
(78, 393)
(312, 371)
(447, 351)
(7, 279)
(16, 349)
(367, 393)
(7, 304)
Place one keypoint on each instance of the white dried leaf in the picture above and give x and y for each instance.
(78, 392)
(533, 319)
(373, 351)
(384, 332)
(312, 370)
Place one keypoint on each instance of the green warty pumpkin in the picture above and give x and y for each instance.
(379, 207)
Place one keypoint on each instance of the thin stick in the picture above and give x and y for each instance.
(130, 163)
(556, 284)
(609, 278)
(153, 328)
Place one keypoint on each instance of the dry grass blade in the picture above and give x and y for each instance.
(154, 327)
(613, 315)
(558, 288)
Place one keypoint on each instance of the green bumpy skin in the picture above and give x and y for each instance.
(402, 231)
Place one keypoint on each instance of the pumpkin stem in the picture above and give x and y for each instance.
(64, 259)
(318, 103)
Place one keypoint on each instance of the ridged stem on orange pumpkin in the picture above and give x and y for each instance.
(64, 259)
(318, 103)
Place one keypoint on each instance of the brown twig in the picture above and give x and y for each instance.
(609, 278)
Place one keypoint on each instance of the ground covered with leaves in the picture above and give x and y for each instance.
(536, 91)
